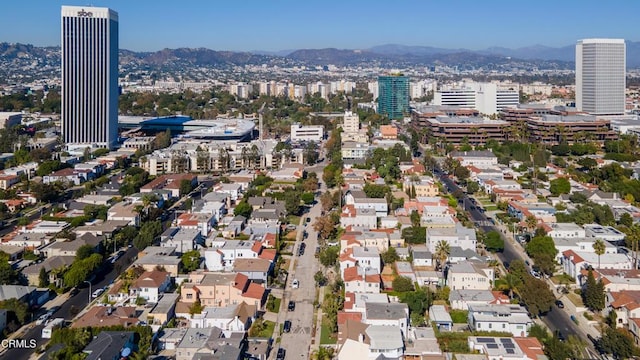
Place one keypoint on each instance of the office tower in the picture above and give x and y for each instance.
(89, 77)
(487, 98)
(600, 76)
(393, 95)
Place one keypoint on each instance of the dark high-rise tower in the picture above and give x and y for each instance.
(89, 77)
(393, 95)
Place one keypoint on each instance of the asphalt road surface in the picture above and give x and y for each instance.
(79, 301)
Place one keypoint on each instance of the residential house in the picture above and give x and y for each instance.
(105, 316)
(462, 299)
(421, 256)
(170, 182)
(257, 270)
(69, 248)
(606, 233)
(439, 316)
(358, 218)
(583, 244)
(626, 304)
(470, 276)
(541, 211)
(126, 212)
(151, 285)
(159, 257)
(109, 345)
(222, 253)
(69, 176)
(170, 338)
(460, 236)
(7, 181)
(391, 314)
(233, 190)
(201, 222)
(183, 240)
(573, 262)
(565, 230)
(234, 318)
(380, 206)
(420, 187)
(29, 295)
(28, 240)
(422, 344)
(198, 341)
(498, 348)
(367, 258)
(371, 342)
(356, 279)
(504, 318)
(221, 289)
(164, 310)
(50, 264)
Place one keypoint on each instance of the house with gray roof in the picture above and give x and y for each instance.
(110, 345)
(387, 314)
(32, 272)
(198, 341)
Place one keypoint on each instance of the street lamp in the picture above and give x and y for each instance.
(88, 282)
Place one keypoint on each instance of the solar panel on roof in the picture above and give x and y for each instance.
(508, 346)
(510, 351)
(486, 340)
(492, 346)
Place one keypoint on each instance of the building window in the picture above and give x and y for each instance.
(189, 296)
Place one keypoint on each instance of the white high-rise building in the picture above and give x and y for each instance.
(89, 77)
(351, 123)
(601, 76)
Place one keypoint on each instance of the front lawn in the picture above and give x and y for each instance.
(326, 337)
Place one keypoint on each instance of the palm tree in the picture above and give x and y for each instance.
(511, 283)
(598, 247)
(531, 222)
(442, 252)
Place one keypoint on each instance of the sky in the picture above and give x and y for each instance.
(273, 25)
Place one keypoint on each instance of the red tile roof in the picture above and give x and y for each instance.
(343, 316)
(151, 279)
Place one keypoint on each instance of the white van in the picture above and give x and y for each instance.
(53, 324)
(295, 284)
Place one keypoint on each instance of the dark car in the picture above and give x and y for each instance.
(301, 249)
(281, 354)
(73, 292)
(559, 304)
(287, 326)
(561, 336)
(292, 305)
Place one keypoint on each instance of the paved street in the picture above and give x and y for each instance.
(298, 341)
(79, 301)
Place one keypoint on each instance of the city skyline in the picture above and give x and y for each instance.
(266, 26)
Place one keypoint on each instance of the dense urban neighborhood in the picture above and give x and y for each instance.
(285, 210)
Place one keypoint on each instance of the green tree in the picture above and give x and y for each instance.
(415, 218)
(462, 173)
(84, 252)
(8, 275)
(376, 191)
(494, 242)
(390, 256)
(195, 308)
(43, 278)
(190, 261)
(599, 248)
(626, 220)
(415, 235)
(185, 187)
(243, 209)
(329, 256)
(320, 278)
(536, 295)
(17, 308)
(559, 186)
(402, 284)
(442, 253)
(307, 198)
(472, 187)
(292, 202)
(617, 342)
(593, 295)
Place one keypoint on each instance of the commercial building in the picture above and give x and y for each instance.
(307, 133)
(457, 130)
(487, 98)
(393, 95)
(600, 76)
(555, 129)
(89, 77)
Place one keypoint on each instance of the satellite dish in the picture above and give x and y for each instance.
(125, 352)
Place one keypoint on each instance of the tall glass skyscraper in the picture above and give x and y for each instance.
(393, 96)
(601, 76)
(89, 77)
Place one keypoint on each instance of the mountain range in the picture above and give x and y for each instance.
(391, 55)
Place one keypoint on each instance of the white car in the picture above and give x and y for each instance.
(295, 284)
(97, 293)
(43, 319)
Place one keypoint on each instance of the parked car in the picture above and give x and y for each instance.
(292, 305)
(559, 304)
(73, 292)
(287, 326)
(295, 284)
(43, 319)
(281, 354)
(301, 249)
(97, 293)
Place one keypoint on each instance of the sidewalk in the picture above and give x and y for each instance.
(316, 342)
